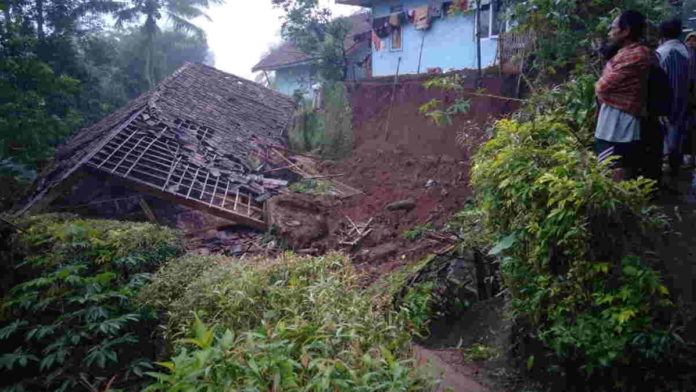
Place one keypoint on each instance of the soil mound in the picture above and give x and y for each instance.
(410, 171)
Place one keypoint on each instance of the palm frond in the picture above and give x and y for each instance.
(127, 15)
(181, 24)
(184, 9)
(98, 6)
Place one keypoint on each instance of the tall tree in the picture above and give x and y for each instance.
(569, 32)
(172, 49)
(312, 29)
(178, 12)
(36, 105)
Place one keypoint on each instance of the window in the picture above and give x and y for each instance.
(397, 31)
(486, 21)
(396, 38)
(491, 24)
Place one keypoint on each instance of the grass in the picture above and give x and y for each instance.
(291, 323)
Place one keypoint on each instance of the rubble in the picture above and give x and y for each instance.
(407, 204)
(458, 280)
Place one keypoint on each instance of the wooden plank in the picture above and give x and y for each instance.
(192, 182)
(116, 148)
(197, 205)
(144, 152)
(205, 186)
(128, 153)
(147, 210)
(153, 155)
(214, 190)
(224, 199)
(174, 165)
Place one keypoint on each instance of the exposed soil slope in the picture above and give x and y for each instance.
(399, 156)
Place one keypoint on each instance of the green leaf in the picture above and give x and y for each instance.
(530, 362)
(11, 328)
(504, 244)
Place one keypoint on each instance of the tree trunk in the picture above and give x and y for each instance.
(345, 62)
(40, 20)
(150, 31)
(6, 14)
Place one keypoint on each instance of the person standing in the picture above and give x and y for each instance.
(652, 132)
(620, 91)
(675, 60)
(690, 139)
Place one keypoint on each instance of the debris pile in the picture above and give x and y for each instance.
(233, 241)
(355, 233)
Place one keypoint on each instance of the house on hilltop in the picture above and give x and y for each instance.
(201, 141)
(412, 36)
(297, 71)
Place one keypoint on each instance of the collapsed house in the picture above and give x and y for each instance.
(201, 149)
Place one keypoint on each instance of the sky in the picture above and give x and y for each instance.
(242, 31)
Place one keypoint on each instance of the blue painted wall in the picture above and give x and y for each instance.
(300, 77)
(303, 77)
(449, 43)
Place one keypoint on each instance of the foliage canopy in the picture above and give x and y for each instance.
(72, 310)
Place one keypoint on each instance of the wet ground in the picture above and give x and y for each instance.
(678, 249)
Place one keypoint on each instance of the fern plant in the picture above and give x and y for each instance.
(74, 312)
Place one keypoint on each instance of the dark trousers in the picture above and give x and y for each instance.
(652, 144)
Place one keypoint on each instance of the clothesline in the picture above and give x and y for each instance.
(421, 17)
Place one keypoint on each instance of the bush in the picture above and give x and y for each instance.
(72, 318)
(328, 131)
(294, 323)
(338, 122)
(307, 129)
(312, 187)
(570, 240)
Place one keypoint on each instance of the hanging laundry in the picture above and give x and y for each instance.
(381, 27)
(435, 8)
(454, 7)
(422, 18)
(376, 42)
(411, 14)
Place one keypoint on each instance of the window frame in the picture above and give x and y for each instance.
(394, 8)
(401, 40)
(491, 20)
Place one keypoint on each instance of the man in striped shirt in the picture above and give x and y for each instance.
(675, 59)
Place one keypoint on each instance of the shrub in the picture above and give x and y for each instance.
(418, 231)
(338, 122)
(329, 130)
(72, 317)
(570, 238)
(294, 323)
(307, 129)
(312, 186)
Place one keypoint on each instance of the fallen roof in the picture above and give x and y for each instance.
(288, 54)
(197, 139)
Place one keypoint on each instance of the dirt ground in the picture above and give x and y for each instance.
(678, 249)
(399, 156)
